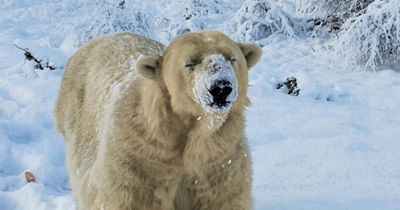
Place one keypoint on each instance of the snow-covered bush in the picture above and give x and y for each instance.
(331, 13)
(324, 8)
(373, 38)
(197, 15)
(258, 19)
(202, 8)
(113, 16)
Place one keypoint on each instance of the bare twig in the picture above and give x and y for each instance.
(30, 57)
(121, 4)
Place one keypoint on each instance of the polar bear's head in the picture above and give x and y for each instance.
(203, 72)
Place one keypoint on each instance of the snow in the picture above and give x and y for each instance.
(335, 146)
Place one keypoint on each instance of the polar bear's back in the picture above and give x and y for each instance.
(93, 70)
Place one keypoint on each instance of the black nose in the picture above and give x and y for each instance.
(220, 91)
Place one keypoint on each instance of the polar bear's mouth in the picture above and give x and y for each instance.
(220, 104)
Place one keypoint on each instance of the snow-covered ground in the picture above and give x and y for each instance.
(334, 147)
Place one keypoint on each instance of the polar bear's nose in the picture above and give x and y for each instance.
(220, 92)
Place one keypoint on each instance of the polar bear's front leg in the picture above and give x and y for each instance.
(142, 198)
(136, 185)
(227, 186)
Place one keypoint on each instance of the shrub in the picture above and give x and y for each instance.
(110, 17)
(196, 15)
(331, 14)
(258, 19)
(373, 38)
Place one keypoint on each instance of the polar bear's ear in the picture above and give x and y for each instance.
(251, 52)
(149, 66)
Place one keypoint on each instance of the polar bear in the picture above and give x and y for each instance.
(154, 128)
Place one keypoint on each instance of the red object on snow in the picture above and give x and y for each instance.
(29, 177)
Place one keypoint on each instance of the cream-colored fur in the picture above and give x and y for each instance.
(135, 137)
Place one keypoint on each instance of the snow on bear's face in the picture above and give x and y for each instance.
(206, 73)
(215, 86)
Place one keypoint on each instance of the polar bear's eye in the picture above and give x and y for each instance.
(189, 65)
(232, 60)
(192, 64)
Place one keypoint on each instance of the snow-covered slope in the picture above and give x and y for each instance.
(333, 147)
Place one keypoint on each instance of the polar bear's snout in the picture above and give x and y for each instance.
(216, 86)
